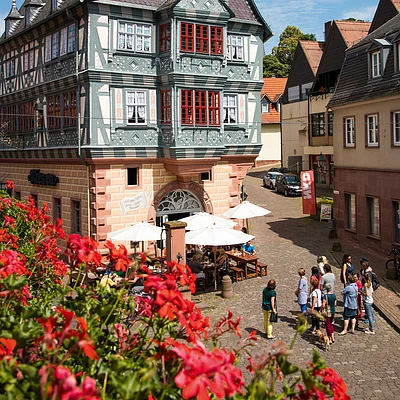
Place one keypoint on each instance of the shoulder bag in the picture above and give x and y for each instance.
(274, 316)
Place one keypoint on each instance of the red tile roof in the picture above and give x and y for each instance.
(353, 31)
(273, 88)
(313, 51)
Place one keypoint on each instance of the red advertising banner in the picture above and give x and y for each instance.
(308, 192)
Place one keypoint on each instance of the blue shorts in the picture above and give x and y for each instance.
(303, 308)
(349, 313)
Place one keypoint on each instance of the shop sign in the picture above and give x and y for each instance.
(37, 178)
(326, 211)
(308, 192)
(141, 200)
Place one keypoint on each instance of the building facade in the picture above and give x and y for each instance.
(366, 107)
(146, 110)
(271, 99)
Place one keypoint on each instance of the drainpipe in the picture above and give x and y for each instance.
(78, 108)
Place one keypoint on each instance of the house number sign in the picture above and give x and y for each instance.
(37, 178)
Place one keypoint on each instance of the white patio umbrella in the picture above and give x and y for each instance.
(216, 236)
(204, 220)
(246, 210)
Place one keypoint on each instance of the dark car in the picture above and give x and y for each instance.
(270, 178)
(288, 184)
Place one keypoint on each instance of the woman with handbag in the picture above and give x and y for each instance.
(269, 307)
(328, 311)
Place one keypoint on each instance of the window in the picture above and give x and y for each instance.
(372, 130)
(55, 4)
(373, 216)
(64, 41)
(230, 109)
(294, 93)
(136, 37)
(265, 106)
(396, 206)
(330, 124)
(71, 38)
(375, 64)
(35, 200)
(28, 57)
(206, 107)
(165, 37)
(187, 37)
(8, 119)
(10, 68)
(165, 106)
(133, 176)
(350, 210)
(305, 90)
(47, 50)
(53, 111)
(76, 221)
(318, 124)
(278, 107)
(235, 48)
(202, 38)
(26, 117)
(397, 67)
(349, 132)
(205, 176)
(396, 128)
(136, 107)
(54, 46)
(57, 213)
(69, 103)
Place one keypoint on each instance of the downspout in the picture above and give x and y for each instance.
(78, 107)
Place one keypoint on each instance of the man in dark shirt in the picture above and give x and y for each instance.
(195, 266)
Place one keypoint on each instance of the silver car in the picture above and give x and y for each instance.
(270, 179)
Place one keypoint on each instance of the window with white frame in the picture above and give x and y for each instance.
(54, 46)
(134, 37)
(372, 130)
(349, 132)
(136, 107)
(373, 216)
(71, 38)
(235, 49)
(230, 109)
(47, 49)
(350, 210)
(265, 106)
(396, 128)
(375, 64)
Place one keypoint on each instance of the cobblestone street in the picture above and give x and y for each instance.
(286, 240)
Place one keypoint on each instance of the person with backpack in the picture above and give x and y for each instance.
(366, 269)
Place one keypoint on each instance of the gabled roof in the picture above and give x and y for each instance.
(313, 51)
(354, 83)
(353, 31)
(272, 89)
(386, 10)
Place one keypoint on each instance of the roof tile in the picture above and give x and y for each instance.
(353, 31)
(313, 51)
(273, 89)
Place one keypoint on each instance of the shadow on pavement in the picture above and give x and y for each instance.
(258, 332)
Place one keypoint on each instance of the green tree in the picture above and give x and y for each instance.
(278, 63)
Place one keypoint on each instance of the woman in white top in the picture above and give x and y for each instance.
(316, 302)
(368, 301)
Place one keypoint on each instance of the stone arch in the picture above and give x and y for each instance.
(191, 187)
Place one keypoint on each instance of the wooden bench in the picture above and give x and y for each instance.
(238, 273)
(263, 268)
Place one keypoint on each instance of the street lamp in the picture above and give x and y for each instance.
(321, 162)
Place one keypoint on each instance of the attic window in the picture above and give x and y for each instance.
(265, 106)
(376, 64)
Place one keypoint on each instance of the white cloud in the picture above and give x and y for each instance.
(365, 14)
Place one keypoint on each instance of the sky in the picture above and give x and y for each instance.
(308, 15)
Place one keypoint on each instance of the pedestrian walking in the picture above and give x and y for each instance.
(350, 293)
(302, 291)
(328, 277)
(347, 269)
(329, 302)
(315, 302)
(368, 301)
(269, 306)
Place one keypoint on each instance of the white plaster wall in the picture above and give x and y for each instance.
(271, 143)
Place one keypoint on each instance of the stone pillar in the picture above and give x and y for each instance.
(175, 240)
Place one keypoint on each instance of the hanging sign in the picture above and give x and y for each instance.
(308, 192)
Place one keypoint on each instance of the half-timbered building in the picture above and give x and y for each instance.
(133, 110)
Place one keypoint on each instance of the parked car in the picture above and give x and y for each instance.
(288, 184)
(269, 179)
(276, 169)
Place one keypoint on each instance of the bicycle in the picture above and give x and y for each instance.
(395, 260)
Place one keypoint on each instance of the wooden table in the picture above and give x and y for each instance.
(244, 258)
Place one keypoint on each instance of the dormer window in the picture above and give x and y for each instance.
(265, 106)
(55, 4)
(376, 64)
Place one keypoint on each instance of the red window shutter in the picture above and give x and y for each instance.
(217, 40)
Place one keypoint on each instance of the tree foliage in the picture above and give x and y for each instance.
(278, 63)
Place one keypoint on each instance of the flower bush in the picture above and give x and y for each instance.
(72, 342)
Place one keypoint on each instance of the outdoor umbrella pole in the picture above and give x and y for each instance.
(215, 266)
